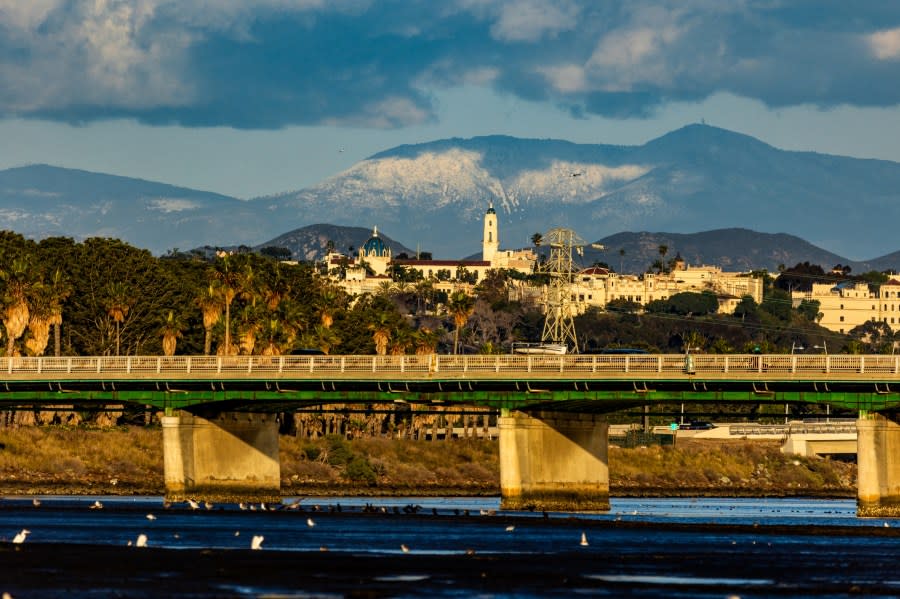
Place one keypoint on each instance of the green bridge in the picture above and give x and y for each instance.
(220, 432)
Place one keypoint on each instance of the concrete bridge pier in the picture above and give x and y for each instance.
(226, 457)
(878, 460)
(554, 461)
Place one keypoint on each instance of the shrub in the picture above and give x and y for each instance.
(359, 470)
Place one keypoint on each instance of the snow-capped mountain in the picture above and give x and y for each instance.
(433, 195)
(693, 179)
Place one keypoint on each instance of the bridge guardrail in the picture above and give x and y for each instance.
(765, 367)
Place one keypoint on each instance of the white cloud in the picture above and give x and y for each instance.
(566, 79)
(885, 44)
(532, 20)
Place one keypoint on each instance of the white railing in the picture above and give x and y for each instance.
(768, 367)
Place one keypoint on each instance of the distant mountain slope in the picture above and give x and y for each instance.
(731, 249)
(309, 243)
(695, 178)
(40, 201)
(433, 195)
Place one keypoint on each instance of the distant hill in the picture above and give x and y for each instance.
(309, 243)
(697, 178)
(43, 201)
(732, 249)
(433, 195)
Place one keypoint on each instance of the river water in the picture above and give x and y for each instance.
(447, 547)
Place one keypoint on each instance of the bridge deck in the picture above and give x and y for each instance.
(670, 367)
(576, 382)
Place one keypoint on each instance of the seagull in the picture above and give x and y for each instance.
(141, 540)
(510, 528)
(243, 506)
(151, 517)
(584, 542)
(404, 548)
(194, 505)
(257, 541)
(310, 523)
(97, 505)
(207, 505)
(262, 506)
(237, 533)
(36, 502)
(20, 538)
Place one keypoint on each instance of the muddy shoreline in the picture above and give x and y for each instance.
(20, 488)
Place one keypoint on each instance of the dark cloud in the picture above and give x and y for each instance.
(273, 63)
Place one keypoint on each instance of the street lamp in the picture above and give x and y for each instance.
(823, 347)
(796, 346)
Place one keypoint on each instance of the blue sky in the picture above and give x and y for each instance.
(257, 97)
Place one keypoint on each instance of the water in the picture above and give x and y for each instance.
(456, 546)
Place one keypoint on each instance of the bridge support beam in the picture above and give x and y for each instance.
(554, 461)
(878, 460)
(228, 457)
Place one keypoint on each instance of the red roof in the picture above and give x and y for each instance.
(453, 263)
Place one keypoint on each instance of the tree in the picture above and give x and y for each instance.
(461, 305)
(118, 303)
(171, 331)
(381, 332)
(663, 250)
(621, 260)
(41, 300)
(537, 239)
(209, 300)
(18, 281)
(229, 281)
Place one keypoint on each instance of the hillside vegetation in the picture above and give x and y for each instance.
(77, 460)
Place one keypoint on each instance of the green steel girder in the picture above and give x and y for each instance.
(561, 399)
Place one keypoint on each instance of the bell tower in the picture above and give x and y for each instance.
(490, 241)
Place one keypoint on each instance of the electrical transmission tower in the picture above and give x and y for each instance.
(559, 323)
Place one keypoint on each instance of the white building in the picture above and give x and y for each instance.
(370, 269)
(848, 304)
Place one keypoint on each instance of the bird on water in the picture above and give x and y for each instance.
(584, 542)
(257, 541)
(20, 538)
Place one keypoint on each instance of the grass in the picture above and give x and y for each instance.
(54, 459)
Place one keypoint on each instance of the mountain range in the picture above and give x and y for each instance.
(433, 196)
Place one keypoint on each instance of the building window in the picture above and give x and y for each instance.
(842, 331)
(842, 306)
(842, 319)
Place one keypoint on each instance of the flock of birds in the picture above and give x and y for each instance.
(257, 540)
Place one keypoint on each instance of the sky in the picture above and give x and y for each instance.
(257, 97)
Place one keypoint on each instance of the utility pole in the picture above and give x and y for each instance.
(559, 323)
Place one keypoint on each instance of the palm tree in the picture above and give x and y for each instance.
(381, 332)
(41, 300)
(118, 304)
(229, 283)
(621, 260)
(460, 305)
(425, 341)
(60, 290)
(328, 303)
(210, 303)
(17, 284)
(171, 331)
(537, 239)
(663, 250)
(248, 328)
